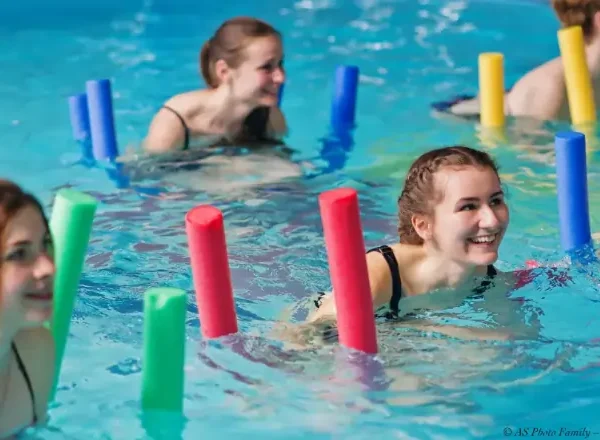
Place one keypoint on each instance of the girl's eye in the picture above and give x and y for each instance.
(17, 254)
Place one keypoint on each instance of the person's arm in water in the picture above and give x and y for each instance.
(380, 281)
(540, 95)
(277, 126)
(471, 107)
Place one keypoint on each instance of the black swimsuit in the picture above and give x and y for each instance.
(390, 258)
(23, 371)
(254, 128)
(446, 106)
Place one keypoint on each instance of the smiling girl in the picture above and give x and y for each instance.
(452, 219)
(242, 65)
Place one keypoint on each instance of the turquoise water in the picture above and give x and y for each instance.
(410, 53)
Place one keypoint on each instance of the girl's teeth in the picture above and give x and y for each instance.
(486, 239)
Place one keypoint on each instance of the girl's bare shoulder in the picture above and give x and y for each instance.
(188, 104)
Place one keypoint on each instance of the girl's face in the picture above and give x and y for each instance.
(471, 218)
(27, 270)
(259, 77)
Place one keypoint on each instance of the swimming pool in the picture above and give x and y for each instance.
(410, 54)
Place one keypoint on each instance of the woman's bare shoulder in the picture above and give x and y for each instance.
(540, 93)
(166, 131)
(188, 104)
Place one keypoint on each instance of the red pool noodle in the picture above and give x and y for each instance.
(210, 271)
(348, 269)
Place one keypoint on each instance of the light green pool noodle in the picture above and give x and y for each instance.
(164, 349)
(70, 225)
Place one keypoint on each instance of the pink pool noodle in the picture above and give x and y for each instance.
(210, 271)
(348, 269)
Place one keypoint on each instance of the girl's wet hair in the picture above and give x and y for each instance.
(418, 195)
(228, 44)
(577, 13)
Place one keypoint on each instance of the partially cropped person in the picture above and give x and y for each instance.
(26, 297)
(242, 65)
(541, 93)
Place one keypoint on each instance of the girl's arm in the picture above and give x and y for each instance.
(380, 282)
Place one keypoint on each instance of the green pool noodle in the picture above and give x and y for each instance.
(70, 226)
(164, 349)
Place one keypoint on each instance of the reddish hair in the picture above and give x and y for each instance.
(228, 43)
(577, 13)
(418, 194)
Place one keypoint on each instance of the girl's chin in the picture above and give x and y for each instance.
(268, 100)
(37, 318)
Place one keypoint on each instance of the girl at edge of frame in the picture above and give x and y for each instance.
(27, 350)
(541, 94)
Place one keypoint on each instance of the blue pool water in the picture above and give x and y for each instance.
(410, 53)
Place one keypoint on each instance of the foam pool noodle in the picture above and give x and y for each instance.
(579, 85)
(70, 225)
(164, 349)
(344, 241)
(491, 92)
(491, 85)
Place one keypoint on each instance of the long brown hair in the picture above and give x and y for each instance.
(228, 43)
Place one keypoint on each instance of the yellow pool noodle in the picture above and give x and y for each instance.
(577, 75)
(491, 89)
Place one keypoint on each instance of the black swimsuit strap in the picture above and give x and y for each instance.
(491, 273)
(186, 142)
(23, 371)
(390, 259)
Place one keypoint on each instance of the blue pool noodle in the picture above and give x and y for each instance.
(104, 140)
(343, 105)
(280, 95)
(571, 186)
(335, 150)
(80, 125)
(80, 119)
